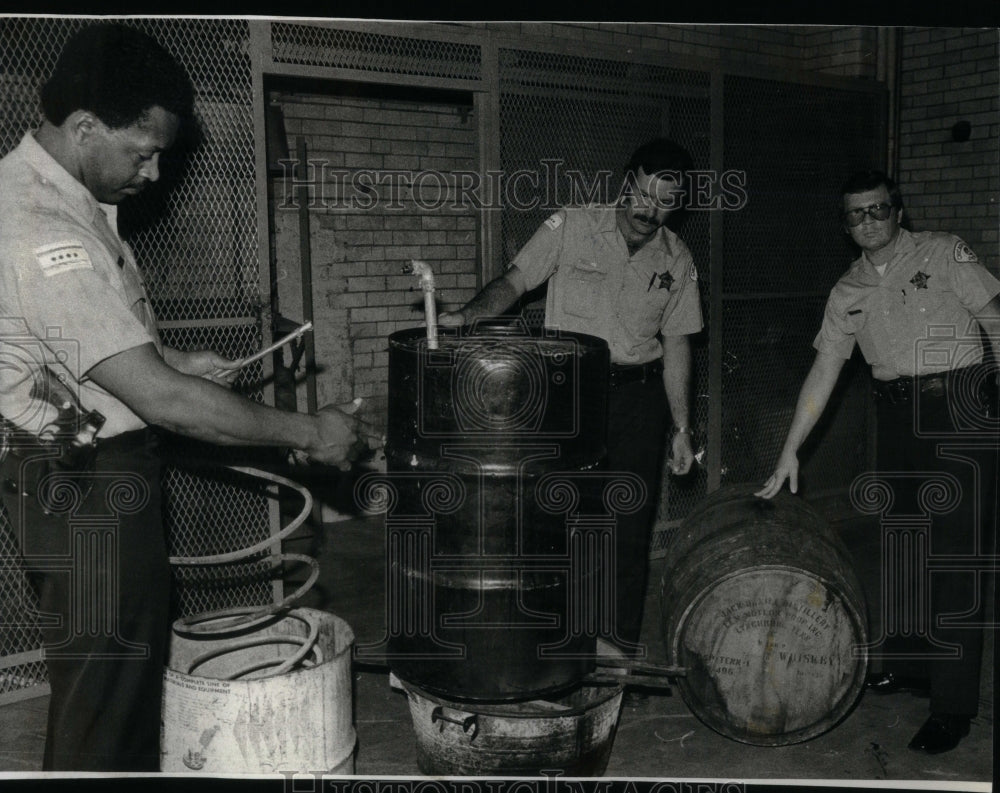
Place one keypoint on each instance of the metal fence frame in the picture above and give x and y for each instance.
(486, 78)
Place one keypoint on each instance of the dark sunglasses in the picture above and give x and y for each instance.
(854, 217)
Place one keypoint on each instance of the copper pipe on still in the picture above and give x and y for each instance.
(423, 270)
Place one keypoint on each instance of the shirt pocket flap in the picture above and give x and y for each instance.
(587, 271)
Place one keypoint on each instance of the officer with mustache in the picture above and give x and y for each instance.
(616, 272)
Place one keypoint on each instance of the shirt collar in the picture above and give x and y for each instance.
(69, 188)
(902, 246)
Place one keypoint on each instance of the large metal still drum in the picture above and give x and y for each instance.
(761, 605)
(491, 439)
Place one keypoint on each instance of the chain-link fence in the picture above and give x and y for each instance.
(574, 121)
(567, 121)
(784, 147)
(782, 253)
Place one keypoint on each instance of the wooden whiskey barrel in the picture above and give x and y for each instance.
(760, 603)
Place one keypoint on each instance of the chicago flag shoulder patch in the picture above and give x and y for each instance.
(964, 254)
(61, 257)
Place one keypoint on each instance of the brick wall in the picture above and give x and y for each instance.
(363, 237)
(950, 75)
(844, 51)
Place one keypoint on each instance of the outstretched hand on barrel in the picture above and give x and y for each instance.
(787, 468)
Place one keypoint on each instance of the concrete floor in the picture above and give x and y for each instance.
(658, 738)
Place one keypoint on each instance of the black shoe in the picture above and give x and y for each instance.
(889, 683)
(940, 733)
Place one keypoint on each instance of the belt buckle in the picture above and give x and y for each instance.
(893, 392)
(905, 389)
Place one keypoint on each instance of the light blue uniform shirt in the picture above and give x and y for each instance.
(916, 318)
(71, 294)
(595, 287)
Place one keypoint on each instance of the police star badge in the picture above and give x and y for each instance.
(919, 280)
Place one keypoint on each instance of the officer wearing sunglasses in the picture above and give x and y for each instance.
(854, 217)
(915, 304)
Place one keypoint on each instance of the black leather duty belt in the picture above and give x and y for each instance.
(903, 390)
(634, 373)
(129, 441)
(25, 445)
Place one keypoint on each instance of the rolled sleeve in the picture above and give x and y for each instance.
(538, 258)
(81, 305)
(684, 317)
(835, 337)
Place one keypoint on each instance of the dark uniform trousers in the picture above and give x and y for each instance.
(637, 423)
(101, 572)
(934, 434)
